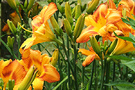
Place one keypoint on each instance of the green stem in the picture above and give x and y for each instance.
(75, 72)
(14, 56)
(102, 74)
(126, 73)
(96, 83)
(120, 71)
(82, 85)
(92, 75)
(10, 51)
(113, 71)
(107, 74)
(68, 61)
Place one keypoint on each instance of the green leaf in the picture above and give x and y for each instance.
(131, 38)
(125, 20)
(6, 46)
(125, 38)
(121, 57)
(130, 64)
(129, 21)
(122, 85)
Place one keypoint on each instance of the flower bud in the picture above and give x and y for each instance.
(95, 45)
(60, 8)
(12, 26)
(92, 5)
(25, 4)
(79, 2)
(28, 79)
(79, 26)
(10, 42)
(83, 7)
(112, 46)
(55, 25)
(77, 11)
(67, 27)
(30, 5)
(12, 3)
(54, 57)
(11, 84)
(68, 12)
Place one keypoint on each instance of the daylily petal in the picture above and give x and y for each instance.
(87, 53)
(113, 16)
(50, 74)
(36, 58)
(52, 8)
(100, 12)
(123, 47)
(15, 71)
(45, 14)
(88, 60)
(43, 34)
(4, 64)
(112, 4)
(86, 33)
(25, 47)
(38, 84)
(126, 29)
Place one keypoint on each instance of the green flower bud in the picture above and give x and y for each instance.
(68, 12)
(60, 8)
(56, 27)
(28, 79)
(67, 27)
(92, 5)
(95, 45)
(79, 2)
(83, 7)
(11, 84)
(25, 4)
(10, 42)
(77, 11)
(55, 57)
(30, 5)
(112, 46)
(12, 26)
(79, 26)
(12, 3)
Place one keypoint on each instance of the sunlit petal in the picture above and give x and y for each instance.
(50, 74)
(38, 84)
(88, 60)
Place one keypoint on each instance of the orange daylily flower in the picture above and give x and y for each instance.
(41, 29)
(97, 24)
(11, 70)
(91, 55)
(129, 5)
(123, 47)
(46, 72)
